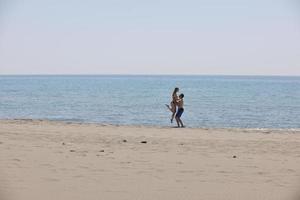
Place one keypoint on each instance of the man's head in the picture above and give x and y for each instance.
(181, 96)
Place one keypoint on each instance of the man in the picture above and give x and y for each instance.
(179, 111)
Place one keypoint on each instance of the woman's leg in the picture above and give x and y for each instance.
(173, 115)
(170, 107)
(173, 110)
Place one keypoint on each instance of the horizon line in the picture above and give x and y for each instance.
(140, 74)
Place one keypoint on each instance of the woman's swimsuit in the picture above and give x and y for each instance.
(174, 98)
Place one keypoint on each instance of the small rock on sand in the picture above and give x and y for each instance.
(101, 150)
(233, 156)
(144, 142)
(124, 140)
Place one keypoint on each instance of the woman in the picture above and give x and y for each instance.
(173, 104)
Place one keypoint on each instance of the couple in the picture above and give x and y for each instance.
(177, 101)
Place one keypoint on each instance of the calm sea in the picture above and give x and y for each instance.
(210, 101)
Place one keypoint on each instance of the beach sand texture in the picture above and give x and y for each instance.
(42, 160)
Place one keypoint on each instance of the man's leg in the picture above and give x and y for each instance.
(180, 122)
(177, 120)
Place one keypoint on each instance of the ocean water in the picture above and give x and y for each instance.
(210, 101)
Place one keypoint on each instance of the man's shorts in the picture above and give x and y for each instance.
(179, 112)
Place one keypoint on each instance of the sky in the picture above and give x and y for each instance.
(217, 37)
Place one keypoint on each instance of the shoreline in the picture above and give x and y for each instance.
(63, 161)
(66, 122)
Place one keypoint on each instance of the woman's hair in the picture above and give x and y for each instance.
(175, 90)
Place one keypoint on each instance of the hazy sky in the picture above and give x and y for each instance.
(250, 37)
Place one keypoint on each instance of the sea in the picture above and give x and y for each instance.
(209, 102)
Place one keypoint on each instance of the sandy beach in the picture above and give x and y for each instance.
(43, 160)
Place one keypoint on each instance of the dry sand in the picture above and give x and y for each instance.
(43, 160)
